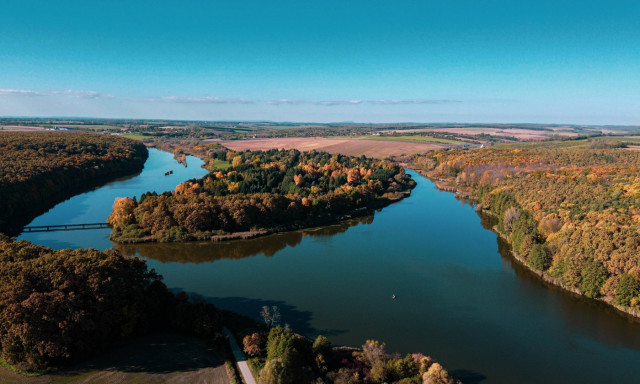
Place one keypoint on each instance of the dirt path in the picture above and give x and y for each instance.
(247, 375)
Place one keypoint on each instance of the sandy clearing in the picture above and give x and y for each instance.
(353, 147)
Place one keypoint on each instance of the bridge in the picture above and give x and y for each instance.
(64, 227)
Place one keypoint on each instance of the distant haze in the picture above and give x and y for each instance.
(366, 61)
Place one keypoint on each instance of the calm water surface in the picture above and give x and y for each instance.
(458, 297)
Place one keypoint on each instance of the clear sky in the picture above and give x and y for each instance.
(367, 61)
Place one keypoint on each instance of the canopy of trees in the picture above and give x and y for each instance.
(39, 169)
(570, 209)
(271, 190)
(57, 306)
(284, 357)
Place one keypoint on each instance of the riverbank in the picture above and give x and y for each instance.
(448, 185)
(40, 170)
(307, 224)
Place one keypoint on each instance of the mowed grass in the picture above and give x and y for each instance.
(416, 139)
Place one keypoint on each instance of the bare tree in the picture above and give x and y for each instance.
(270, 316)
(510, 217)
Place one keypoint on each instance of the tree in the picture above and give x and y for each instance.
(628, 288)
(274, 372)
(322, 345)
(511, 215)
(270, 316)
(253, 344)
(539, 257)
(594, 275)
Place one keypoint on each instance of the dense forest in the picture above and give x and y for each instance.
(60, 306)
(571, 210)
(272, 190)
(39, 169)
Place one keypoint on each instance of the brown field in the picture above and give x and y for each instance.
(379, 149)
(160, 358)
(20, 128)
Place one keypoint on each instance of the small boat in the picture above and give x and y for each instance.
(168, 173)
(393, 297)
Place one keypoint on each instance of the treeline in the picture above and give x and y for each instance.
(39, 169)
(271, 190)
(570, 210)
(59, 306)
(282, 357)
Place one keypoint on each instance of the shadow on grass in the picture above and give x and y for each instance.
(159, 353)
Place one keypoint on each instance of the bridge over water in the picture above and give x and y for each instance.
(64, 227)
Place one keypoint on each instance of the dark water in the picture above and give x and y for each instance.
(458, 298)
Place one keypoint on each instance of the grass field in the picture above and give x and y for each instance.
(160, 358)
(135, 136)
(221, 164)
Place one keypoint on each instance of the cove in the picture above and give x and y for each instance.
(95, 206)
(460, 297)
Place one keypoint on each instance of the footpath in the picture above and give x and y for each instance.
(243, 366)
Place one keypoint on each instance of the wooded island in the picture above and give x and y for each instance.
(261, 192)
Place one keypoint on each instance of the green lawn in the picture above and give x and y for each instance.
(221, 164)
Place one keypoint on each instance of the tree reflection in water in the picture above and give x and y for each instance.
(203, 251)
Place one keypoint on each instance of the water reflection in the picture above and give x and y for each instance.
(582, 315)
(206, 252)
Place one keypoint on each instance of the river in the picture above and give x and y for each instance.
(459, 296)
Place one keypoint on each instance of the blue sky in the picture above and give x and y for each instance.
(366, 61)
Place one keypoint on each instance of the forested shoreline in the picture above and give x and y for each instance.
(40, 169)
(570, 210)
(61, 306)
(260, 192)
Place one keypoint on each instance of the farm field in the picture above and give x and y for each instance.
(20, 128)
(416, 139)
(518, 133)
(379, 149)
